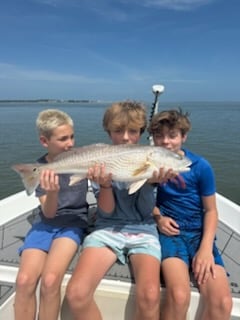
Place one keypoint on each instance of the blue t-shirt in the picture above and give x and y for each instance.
(184, 205)
(132, 213)
(72, 205)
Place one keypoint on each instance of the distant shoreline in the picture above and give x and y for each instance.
(49, 101)
(103, 101)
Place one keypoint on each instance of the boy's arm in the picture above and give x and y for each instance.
(49, 181)
(163, 176)
(106, 201)
(166, 225)
(203, 262)
(156, 214)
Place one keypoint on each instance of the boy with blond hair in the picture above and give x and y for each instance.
(125, 228)
(53, 240)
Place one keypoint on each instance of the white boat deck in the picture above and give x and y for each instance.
(13, 228)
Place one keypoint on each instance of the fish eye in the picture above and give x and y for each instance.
(34, 169)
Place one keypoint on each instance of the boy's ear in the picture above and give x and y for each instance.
(184, 138)
(43, 141)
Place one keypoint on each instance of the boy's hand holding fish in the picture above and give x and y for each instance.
(162, 176)
(49, 181)
(98, 174)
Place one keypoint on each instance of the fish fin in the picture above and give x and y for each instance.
(29, 174)
(75, 179)
(142, 169)
(136, 185)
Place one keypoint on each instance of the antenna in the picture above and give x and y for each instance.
(157, 89)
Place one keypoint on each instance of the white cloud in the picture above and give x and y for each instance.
(111, 7)
(13, 72)
(171, 4)
(52, 3)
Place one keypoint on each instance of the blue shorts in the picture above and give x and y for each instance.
(124, 244)
(42, 235)
(185, 246)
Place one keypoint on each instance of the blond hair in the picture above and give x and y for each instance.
(50, 119)
(125, 114)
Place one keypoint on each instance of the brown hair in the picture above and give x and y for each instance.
(173, 119)
(125, 114)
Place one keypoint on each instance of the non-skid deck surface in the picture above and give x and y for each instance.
(12, 236)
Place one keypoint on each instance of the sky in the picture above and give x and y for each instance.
(111, 50)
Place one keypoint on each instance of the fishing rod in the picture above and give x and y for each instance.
(157, 89)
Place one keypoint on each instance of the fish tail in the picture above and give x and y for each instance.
(29, 174)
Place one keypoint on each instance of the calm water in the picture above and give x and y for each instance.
(215, 135)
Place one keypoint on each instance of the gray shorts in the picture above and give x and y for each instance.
(124, 244)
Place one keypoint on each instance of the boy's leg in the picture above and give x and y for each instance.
(31, 265)
(146, 269)
(91, 268)
(217, 300)
(57, 262)
(176, 278)
(175, 268)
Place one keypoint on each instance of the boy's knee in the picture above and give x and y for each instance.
(50, 281)
(71, 293)
(224, 305)
(218, 306)
(74, 295)
(179, 296)
(25, 281)
(149, 296)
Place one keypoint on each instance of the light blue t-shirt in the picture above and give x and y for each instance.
(184, 205)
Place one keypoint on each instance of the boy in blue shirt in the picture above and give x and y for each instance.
(53, 240)
(187, 221)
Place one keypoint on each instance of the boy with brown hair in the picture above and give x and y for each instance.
(187, 221)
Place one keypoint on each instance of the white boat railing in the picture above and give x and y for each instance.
(229, 213)
(16, 205)
(19, 203)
